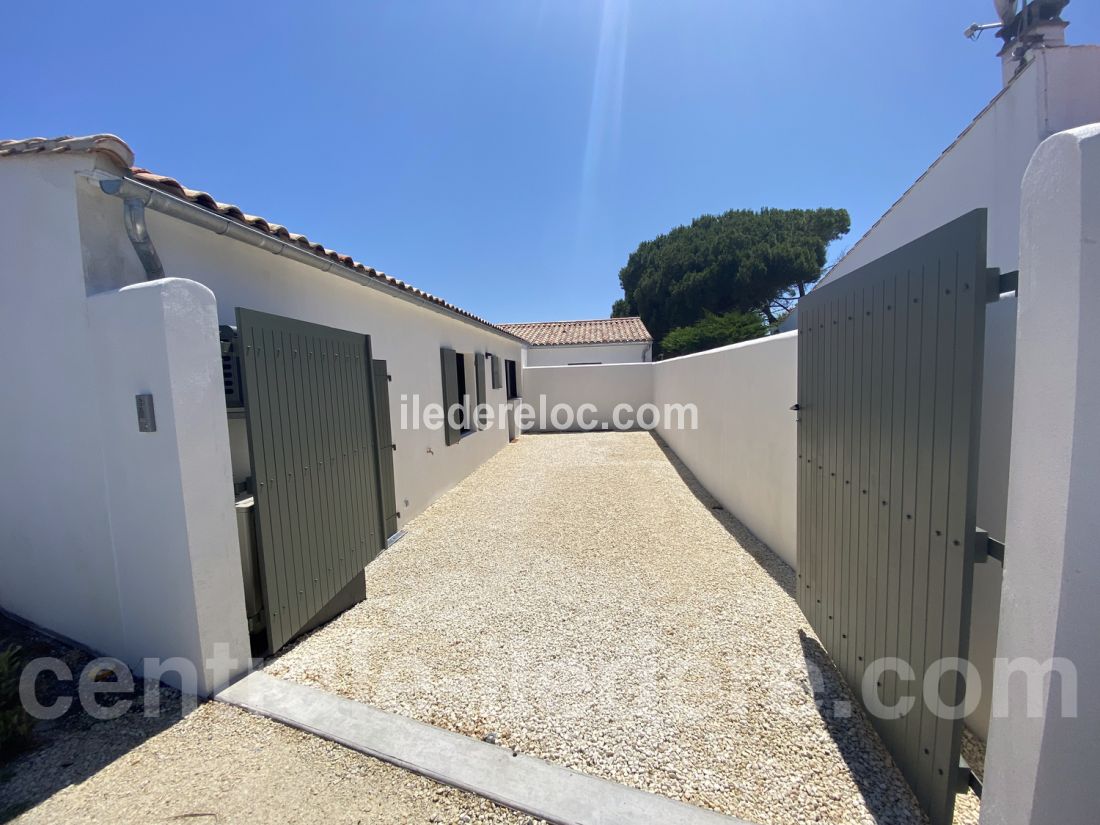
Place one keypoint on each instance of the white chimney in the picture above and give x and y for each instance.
(1037, 25)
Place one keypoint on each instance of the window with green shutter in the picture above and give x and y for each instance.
(448, 364)
(479, 391)
(512, 374)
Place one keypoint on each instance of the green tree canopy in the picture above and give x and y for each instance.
(742, 261)
(713, 331)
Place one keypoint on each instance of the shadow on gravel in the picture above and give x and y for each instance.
(67, 750)
(769, 562)
(870, 764)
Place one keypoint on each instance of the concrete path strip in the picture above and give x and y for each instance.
(527, 784)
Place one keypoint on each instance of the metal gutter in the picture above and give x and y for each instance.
(140, 194)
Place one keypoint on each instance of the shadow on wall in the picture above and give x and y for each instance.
(769, 561)
(75, 746)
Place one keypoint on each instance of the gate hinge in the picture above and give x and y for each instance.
(986, 548)
(966, 780)
(1002, 282)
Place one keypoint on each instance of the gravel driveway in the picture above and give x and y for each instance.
(216, 765)
(580, 599)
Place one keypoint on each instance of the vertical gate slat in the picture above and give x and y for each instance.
(829, 432)
(824, 357)
(332, 469)
(881, 502)
(322, 499)
(859, 481)
(345, 454)
(946, 298)
(303, 591)
(274, 583)
(852, 543)
(897, 313)
(846, 412)
(292, 605)
(307, 506)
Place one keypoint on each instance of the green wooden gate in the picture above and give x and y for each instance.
(889, 391)
(309, 402)
(386, 447)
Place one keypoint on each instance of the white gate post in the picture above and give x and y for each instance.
(169, 486)
(1041, 765)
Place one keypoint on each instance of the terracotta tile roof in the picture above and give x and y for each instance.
(122, 154)
(566, 333)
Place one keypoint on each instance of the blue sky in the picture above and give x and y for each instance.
(509, 155)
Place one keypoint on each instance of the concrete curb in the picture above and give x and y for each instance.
(524, 783)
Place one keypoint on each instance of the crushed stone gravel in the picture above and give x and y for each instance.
(224, 765)
(216, 764)
(582, 599)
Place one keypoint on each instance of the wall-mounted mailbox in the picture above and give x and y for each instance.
(147, 417)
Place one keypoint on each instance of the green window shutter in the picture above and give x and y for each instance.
(449, 370)
(498, 381)
(519, 379)
(479, 386)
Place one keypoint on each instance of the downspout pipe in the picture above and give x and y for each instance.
(148, 197)
(133, 215)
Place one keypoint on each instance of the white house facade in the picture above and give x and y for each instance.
(126, 541)
(578, 343)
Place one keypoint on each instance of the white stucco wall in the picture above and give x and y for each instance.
(1041, 764)
(603, 386)
(745, 448)
(590, 354)
(56, 551)
(97, 544)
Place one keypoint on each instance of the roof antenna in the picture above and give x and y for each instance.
(1025, 27)
(1006, 10)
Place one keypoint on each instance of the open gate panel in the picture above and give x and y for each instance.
(309, 407)
(889, 390)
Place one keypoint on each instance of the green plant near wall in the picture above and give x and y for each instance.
(713, 331)
(15, 722)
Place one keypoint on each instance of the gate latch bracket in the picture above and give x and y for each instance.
(1002, 282)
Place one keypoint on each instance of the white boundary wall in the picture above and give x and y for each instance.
(745, 449)
(604, 386)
